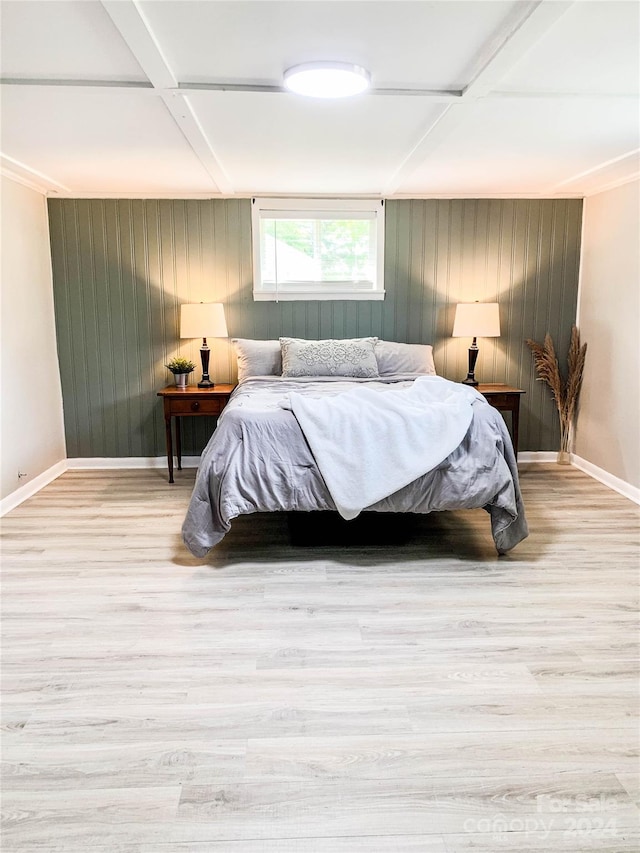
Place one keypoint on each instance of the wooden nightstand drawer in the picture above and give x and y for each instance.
(502, 401)
(197, 406)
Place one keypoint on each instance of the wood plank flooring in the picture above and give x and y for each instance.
(423, 697)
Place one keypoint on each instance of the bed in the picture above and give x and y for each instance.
(260, 459)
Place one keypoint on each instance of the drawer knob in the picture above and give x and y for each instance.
(195, 406)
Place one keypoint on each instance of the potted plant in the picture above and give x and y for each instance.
(181, 368)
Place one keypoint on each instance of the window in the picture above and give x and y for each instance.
(318, 249)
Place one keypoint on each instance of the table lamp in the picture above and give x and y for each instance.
(203, 320)
(476, 320)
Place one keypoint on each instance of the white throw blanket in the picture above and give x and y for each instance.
(369, 444)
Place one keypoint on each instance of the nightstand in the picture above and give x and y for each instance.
(189, 402)
(504, 398)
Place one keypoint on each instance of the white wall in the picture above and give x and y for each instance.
(31, 424)
(608, 426)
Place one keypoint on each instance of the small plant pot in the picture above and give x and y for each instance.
(564, 457)
(181, 379)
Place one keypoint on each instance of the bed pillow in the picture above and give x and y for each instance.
(404, 358)
(257, 358)
(355, 358)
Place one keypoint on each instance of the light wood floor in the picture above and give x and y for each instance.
(413, 698)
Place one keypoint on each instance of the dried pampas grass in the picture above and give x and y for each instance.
(564, 393)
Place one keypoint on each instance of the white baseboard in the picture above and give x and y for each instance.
(105, 462)
(29, 489)
(607, 479)
(599, 474)
(537, 456)
(23, 492)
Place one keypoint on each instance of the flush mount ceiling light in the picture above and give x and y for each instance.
(327, 79)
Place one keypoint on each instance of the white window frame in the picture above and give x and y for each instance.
(317, 291)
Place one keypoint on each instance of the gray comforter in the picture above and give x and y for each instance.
(259, 461)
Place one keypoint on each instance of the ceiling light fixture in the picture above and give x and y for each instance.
(327, 79)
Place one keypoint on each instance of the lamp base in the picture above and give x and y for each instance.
(473, 357)
(205, 352)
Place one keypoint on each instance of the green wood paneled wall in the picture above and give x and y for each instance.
(121, 268)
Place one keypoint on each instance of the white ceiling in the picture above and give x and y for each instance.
(183, 97)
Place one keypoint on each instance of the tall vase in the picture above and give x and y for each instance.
(564, 454)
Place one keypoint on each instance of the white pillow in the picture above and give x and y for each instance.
(257, 358)
(404, 358)
(353, 357)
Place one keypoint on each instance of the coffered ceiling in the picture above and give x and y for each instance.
(184, 97)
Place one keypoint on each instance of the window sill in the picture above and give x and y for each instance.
(308, 296)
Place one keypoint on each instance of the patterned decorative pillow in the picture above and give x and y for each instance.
(355, 358)
(257, 358)
(404, 358)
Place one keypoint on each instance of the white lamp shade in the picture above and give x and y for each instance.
(477, 320)
(203, 320)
